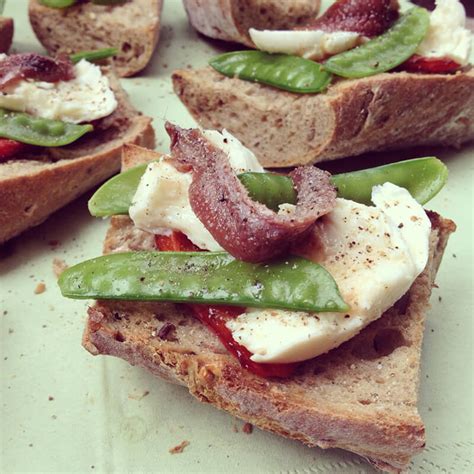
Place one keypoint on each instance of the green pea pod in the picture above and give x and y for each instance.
(290, 73)
(269, 188)
(423, 177)
(39, 131)
(58, 3)
(385, 52)
(96, 55)
(204, 277)
(115, 195)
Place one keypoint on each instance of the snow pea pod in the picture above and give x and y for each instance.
(58, 3)
(385, 52)
(422, 177)
(290, 73)
(95, 55)
(115, 195)
(38, 131)
(294, 283)
(270, 189)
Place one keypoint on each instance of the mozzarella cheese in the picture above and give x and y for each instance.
(240, 157)
(85, 98)
(311, 44)
(373, 253)
(161, 202)
(447, 35)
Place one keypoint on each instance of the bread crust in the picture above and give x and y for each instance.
(382, 112)
(133, 28)
(32, 189)
(6, 33)
(230, 20)
(330, 402)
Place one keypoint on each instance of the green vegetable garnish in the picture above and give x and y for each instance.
(39, 131)
(58, 3)
(269, 188)
(204, 277)
(290, 73)
(385, 52)
(2, 6)
(96, 55)
(423, 177)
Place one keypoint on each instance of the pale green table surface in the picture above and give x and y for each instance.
(64, 410)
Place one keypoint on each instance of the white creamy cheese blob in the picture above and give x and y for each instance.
(447, 35)
(311, 44)
(85, 98)
(161, 202)
(240, 157)
(373, 253)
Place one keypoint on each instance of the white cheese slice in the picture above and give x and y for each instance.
(161, 202)
(311, 44)
(161, 205)
(85, 98)
(373, 253)
(241, 158)
(447, 35)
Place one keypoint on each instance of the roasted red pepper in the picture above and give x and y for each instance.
(215, 317)
(9, 148)
(425, 65)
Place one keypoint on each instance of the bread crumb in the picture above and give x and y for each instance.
(179, 448)
(140, 396)
(40, 288)
(247, 428)
(59, 265)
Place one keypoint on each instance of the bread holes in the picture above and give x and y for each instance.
(126, 47)
(118, 336)
(387, 340)
(381, 344)
(29, 210)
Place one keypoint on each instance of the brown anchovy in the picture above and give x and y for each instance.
(366, 17)
(17, 67)
(246, 229)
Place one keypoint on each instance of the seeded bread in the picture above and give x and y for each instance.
(133, 28)
(386, 111)
(6, 34)
(361, 396)
(230, 20)
(38, 183)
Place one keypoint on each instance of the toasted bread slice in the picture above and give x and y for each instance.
(386, 111)
(6, 34)
(133, 28)
(34, 186)
(360, 397)
(230, 20)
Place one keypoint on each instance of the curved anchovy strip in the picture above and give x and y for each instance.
(34, 66)
(246, 229)
(366, 17)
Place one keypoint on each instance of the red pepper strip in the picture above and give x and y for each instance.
(9, 148)
(215, 317)
(419, 63)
